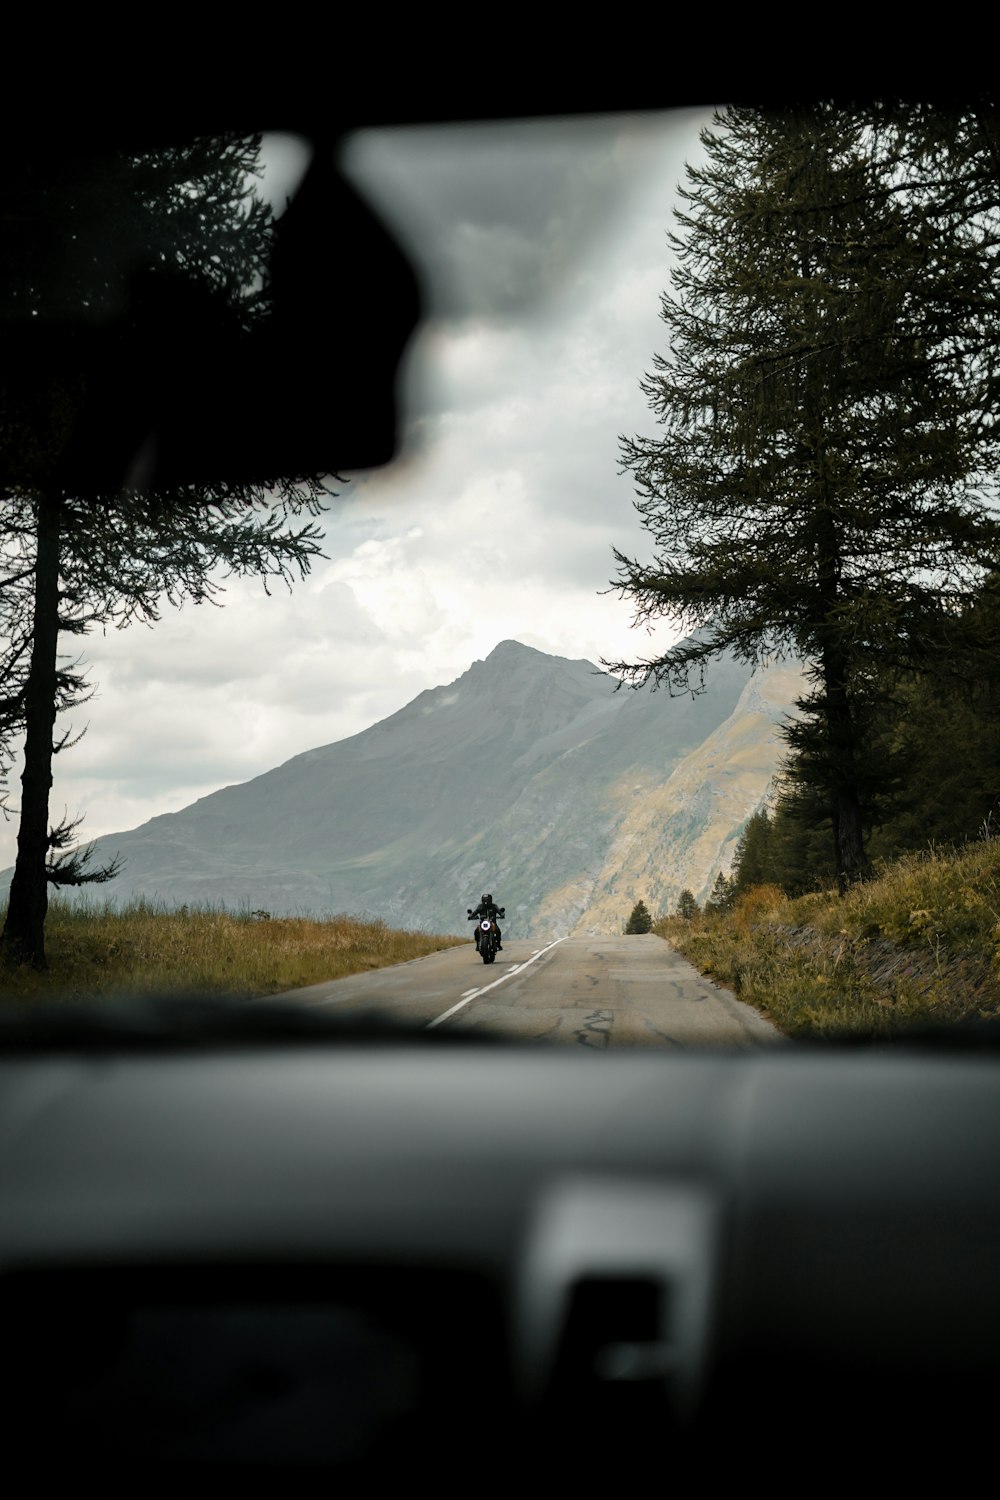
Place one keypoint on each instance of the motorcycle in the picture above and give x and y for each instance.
(487, 935)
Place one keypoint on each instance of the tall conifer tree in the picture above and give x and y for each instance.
(123, 273)
(815, 486)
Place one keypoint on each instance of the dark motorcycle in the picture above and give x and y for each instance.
(487, 936)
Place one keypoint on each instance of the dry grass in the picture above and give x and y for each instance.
(96, 952)
(919, 945)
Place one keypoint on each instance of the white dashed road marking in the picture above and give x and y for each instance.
(472, 994)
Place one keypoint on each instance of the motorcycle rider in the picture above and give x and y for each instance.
(487, 908)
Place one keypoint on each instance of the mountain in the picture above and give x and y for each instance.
(529, 776)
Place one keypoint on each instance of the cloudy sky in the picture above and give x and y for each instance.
(543, 250)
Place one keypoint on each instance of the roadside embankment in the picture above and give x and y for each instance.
(918, 945)
(96, 952)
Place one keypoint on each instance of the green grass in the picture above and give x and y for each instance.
(95, 951)
(918, 945)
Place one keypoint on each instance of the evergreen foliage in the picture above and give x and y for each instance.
(640, 919)
(821, 481)
(112, 255)
(752, 857)
(687, 906)
(722, 896)
(941, 730)
(783, 847)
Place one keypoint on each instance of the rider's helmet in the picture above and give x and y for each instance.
(489, 899)
(484, 898)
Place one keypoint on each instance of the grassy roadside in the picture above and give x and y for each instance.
(96, 952)
(918, 945)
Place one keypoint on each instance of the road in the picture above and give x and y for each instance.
(594, 992)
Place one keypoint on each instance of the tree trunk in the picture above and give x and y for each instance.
(850, 859)
(23, 937)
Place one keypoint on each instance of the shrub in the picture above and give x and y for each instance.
(757, 902)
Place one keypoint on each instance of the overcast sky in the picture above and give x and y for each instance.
(543, 248)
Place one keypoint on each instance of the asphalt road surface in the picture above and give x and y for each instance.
(592, 992)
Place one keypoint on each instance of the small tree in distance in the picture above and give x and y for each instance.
(640, 920)
(687, 906)
(723, 894)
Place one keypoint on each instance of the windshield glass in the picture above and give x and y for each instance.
(586, 539)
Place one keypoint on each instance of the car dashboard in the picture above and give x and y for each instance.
(379, 1255)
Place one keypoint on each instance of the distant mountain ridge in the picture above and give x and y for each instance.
(529, 776)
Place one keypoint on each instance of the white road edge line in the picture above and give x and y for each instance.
(475, 993)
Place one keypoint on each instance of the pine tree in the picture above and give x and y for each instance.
(752, 856)
(639, 920)
(800, 856)
(687, 906)
(944, 730)
(814, 486)
(722, 895)
(112, 254)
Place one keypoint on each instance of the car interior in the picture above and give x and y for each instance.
(264, 1243)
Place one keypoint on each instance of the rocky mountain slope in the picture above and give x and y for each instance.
(528, 776)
